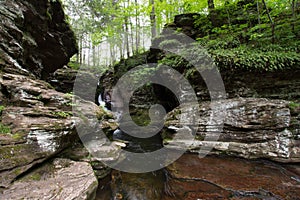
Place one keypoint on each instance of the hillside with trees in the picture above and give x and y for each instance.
(108, 31)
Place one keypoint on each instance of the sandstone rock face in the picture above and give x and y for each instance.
(37, 123)
(60, 179)
(229, 178)
(253, 128)
(34, 37)
(41, 124)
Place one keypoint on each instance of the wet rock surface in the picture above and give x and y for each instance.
(146, 186)
(253, 128)
(229, 178)
(60, 179)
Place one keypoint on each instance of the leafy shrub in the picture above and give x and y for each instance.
(244, 57)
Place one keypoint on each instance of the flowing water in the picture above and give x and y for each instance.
(133, 186)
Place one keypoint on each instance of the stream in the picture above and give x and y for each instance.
(133, 186)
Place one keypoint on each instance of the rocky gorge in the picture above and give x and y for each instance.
(252, 152)
(256, 154)
(37, 125)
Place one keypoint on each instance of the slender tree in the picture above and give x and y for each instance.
(211, 4)
(271, 21)
(293, 15)
(153, 19)
(211, 9)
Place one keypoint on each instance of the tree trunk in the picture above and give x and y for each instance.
(94, 55)
(211, 5)
(126, 33)
(127, 37)
(294, 16)
(211, 9)
(137, 41)
(153, 19)
(258, 15)
(271, 21)
(80, 49)
(131, 37)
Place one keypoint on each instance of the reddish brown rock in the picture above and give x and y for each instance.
(229, 178)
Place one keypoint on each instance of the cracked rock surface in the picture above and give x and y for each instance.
(60, 179)
(215, 177)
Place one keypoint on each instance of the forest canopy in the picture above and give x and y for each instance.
(109, 30)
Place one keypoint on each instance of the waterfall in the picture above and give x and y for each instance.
(101, 101)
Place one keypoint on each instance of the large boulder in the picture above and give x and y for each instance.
(253, 128)
(34, 37)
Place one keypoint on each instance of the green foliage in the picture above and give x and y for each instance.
(294, 105)
(203, 24)
(74, 65)
(62, 114)
(4, 129)
(173, 61)
(140, 116)
(1, 109)
(240, 28)
(251, 59)
(139, 74)
(238, 41)
(126, 64)
(223, 43)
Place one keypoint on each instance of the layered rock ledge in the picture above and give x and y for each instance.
(41, 124)
(251, 128)
(60, 179)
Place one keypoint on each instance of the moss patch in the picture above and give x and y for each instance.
(294, 107)
(4, 129)
(62, 114)
(1, 109)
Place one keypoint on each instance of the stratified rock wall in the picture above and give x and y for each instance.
(34, 37)
(252, 128)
